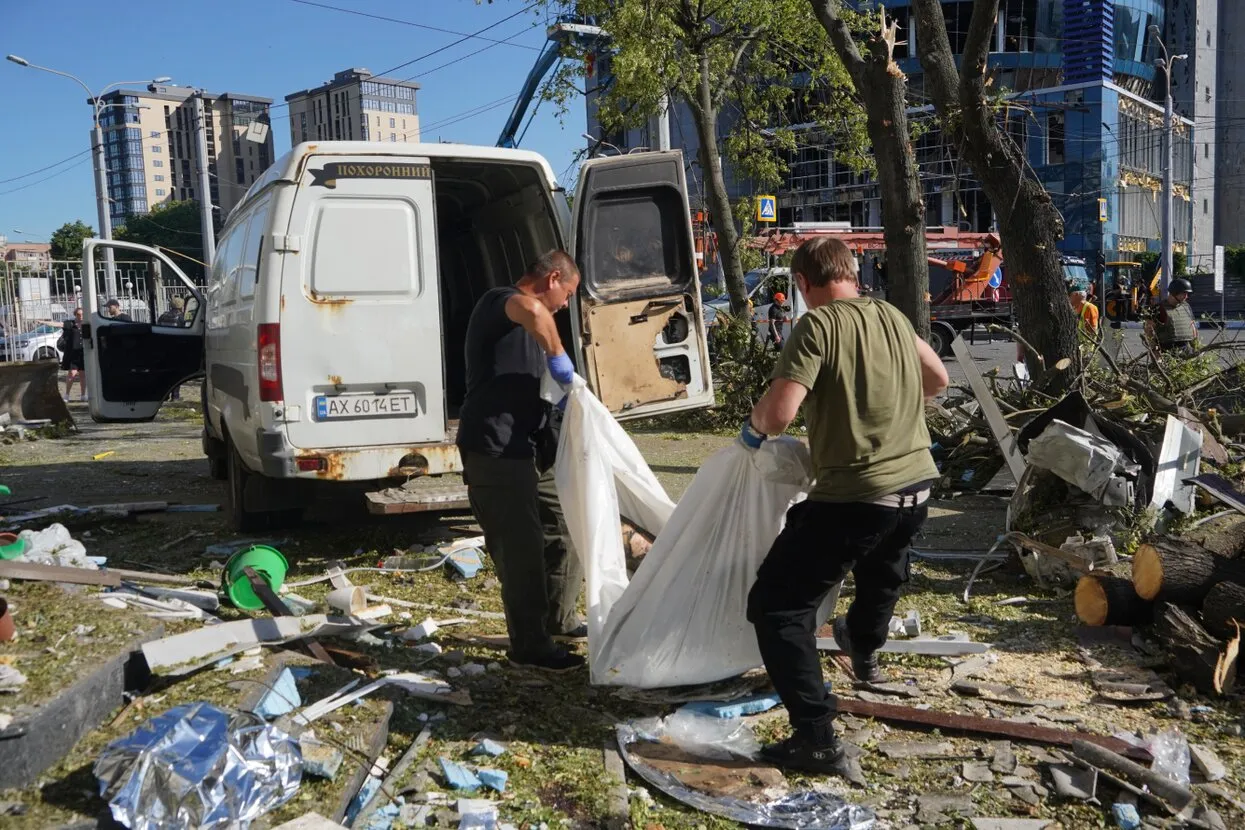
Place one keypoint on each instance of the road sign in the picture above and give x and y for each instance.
(1102, 210)
(1219, 269)
(767, 208)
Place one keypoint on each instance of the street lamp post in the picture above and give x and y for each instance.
(101, 164)
(1169, 240)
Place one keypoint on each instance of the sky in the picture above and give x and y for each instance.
(269, 48)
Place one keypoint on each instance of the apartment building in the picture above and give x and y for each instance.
(355, 106)
(26, 254)
(151, 150)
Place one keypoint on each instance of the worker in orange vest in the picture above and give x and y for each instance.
(1086, 313)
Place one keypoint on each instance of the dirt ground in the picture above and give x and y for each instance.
(554, 729)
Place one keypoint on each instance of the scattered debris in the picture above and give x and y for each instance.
(283, 697)
(1207, 763)
(11, 680)
(933, 807)
(916, 749)
(488, 747)
(193, 650)
(1166, 791)
(458, 777)
(170, 768)
(310, 821)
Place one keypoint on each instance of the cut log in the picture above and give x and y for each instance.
(1180, 571)
(1102, 599)
(1194, 655)
(1224, 609)
(1224, 536)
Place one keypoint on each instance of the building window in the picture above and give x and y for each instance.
(159, 178)
(156, 148)
(1055, 138)
(155, 134)
(393, 137)
(1205, 206)
(1206, 151)
(157, 163)
(393, 122)
(159, 191)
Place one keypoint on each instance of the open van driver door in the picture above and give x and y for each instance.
(134, 360)
(639, 319)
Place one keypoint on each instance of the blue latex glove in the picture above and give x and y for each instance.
(561, 405)
(561, 368)
(750, 437)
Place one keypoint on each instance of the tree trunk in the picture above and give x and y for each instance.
(1029, 223)
(1224, 609)
(705, 114)
(1102, 599)
(1222, 537)
(882, 86)
(1176, 570)
(1194, 655)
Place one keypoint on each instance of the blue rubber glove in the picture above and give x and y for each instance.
(750, 437)
(561, 405)
(561, 368)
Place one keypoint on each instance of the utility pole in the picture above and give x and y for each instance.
(1169, 127)
(205, 184)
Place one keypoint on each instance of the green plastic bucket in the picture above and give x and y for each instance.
(11, 546)
(267, 562)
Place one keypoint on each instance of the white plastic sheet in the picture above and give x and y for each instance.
(682, 619)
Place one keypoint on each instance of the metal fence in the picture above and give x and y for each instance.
(48, 294)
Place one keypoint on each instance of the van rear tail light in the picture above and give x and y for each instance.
(270, 362)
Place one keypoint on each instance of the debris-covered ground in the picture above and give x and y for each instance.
(1044, 667)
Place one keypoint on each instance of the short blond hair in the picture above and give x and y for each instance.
(824, 260)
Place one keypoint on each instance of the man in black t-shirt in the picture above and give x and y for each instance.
(507, 442)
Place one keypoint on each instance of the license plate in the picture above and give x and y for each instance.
(395, 404)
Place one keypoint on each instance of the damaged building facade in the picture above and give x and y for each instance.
(1085, 101)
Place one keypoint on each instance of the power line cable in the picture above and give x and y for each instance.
(45, 178)
(49, 167)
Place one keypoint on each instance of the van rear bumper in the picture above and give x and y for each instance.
(280, 459)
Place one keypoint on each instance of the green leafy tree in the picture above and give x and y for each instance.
(173, 226)
(67, 240)
(764, 63)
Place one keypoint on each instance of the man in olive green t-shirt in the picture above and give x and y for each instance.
(862, 375)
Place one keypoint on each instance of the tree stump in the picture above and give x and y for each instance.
(1102, 599)
(1223, 608)
(1194, 655)
(1180, 571)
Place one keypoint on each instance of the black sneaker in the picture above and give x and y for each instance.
(865, 667)
(557, 661)
(578, 634)
(799, 753)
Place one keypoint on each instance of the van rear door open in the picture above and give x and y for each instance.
(360, 311)
(639, 316)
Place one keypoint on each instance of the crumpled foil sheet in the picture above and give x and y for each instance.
(198, 766)
(800, 810)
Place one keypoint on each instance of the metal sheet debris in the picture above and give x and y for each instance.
(1179, 459)
(795, 810)
(994, 416)
(198, 765)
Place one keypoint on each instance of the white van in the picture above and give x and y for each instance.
(331, 333)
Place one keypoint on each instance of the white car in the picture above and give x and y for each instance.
(37, 344)
(761, 284)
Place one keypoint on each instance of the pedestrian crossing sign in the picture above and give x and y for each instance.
(767, 208)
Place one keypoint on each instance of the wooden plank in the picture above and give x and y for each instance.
(619, 808)
(986, 726)
(55, 573)
(990, 408)
(396, 500)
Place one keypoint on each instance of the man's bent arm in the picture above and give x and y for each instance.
(933, 374)
(536, 321)
(778, 406)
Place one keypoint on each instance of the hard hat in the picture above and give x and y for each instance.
(780, 297)
(1180, 286)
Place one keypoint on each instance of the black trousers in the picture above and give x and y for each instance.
(819, 545)
(517, 506)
